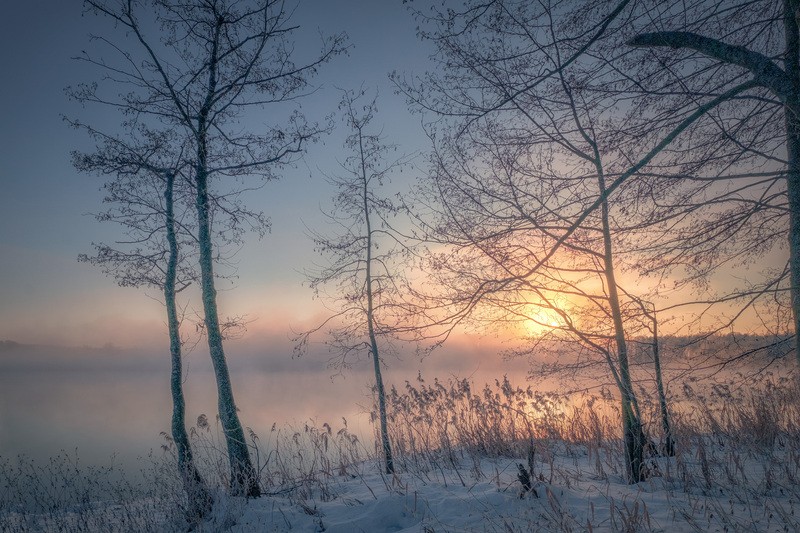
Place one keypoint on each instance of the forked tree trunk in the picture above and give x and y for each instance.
(634, 438)
(668, 447)
(244, 480)
(196, 490)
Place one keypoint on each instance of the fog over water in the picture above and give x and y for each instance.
(106, 402)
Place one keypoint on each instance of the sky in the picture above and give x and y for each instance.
(46, 296)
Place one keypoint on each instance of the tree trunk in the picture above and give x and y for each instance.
(198, 496)
(792, 120)
(244, 480)
(376, 360)
(669, 444)
(633, 435)
(793, 187)
(385, 444)
(633, 440)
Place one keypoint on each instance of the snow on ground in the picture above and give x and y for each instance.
(488, 497)
(711, 486)
(459, 455)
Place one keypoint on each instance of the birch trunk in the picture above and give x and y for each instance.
(244, 480)
(376, 360)
(243, 477)
(194, 485)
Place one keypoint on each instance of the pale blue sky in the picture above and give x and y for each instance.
(46, 296)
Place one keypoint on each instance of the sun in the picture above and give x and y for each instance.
(540, 320)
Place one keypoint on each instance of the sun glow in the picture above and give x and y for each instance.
(540, 320)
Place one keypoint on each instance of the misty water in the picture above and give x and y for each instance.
(107, 412)
(99, 404)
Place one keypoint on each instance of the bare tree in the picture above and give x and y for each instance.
(754, 145)
(212, 62)
(649, 319)
(690, 180)
(143, 200)
(522, 154)
(363, 252)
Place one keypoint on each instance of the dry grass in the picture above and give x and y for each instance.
(737, 466)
